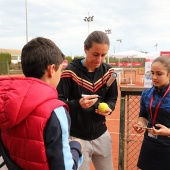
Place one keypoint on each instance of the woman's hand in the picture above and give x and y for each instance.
(106, 113)
(88, 100)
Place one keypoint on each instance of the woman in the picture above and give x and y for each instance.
(155, 115)
(83, 86)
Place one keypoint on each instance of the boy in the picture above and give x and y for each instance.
(34, 123)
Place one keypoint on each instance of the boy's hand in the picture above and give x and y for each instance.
(71, 138)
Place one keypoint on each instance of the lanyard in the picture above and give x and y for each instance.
(157, 107)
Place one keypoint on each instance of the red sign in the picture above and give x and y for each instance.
(165, 53)
(65, 63)
(127, 64)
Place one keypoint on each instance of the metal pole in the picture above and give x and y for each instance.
(131, 70)
(120, 40)
(131, 83)
(156, 45)
(88, 23)
(88, 19)
(26, 21)
(108, 31)
(122, 133)
(88, 28)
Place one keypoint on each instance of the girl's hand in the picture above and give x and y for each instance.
(138, 127)
(162, 131)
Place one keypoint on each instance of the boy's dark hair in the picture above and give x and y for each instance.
(38, 54)
(98, 37)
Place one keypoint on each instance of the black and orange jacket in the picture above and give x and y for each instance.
(75, 81)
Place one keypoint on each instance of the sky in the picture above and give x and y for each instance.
(142, 25)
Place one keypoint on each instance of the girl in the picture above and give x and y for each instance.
(155, 116)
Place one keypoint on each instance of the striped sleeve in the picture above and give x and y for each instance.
(59, 154)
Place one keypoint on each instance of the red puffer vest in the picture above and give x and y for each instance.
(24, 140)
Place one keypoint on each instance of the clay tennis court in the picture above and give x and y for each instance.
(113, 124)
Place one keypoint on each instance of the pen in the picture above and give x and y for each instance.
(83, 95)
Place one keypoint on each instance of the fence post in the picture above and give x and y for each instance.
(122, 131)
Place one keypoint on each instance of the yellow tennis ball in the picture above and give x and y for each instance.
(102, 107)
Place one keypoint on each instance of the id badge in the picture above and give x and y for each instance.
(152, 136)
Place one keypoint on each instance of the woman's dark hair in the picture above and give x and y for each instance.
(165, 60)
(98, 37)
(38, 54)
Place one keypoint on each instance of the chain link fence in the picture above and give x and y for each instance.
(129, 141)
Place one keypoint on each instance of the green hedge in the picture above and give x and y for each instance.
(5, 60)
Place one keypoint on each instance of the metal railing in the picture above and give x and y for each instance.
(129, 141)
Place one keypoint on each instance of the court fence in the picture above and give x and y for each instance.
(129, 141)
